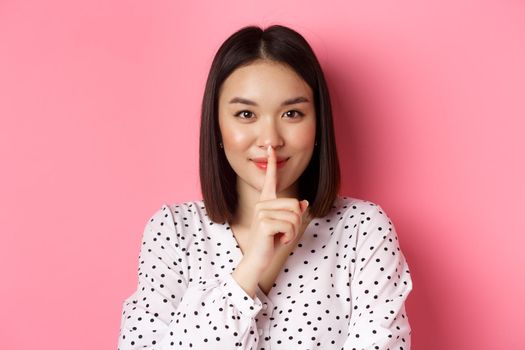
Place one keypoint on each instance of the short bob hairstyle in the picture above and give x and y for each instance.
(320, 181)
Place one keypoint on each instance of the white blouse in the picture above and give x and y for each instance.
(343, 286)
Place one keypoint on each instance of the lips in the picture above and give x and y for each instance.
(262, 163)
(265, 159)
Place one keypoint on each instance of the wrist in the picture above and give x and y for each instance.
(252, 265)
(247, 275)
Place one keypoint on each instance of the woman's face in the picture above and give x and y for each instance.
(261, 104)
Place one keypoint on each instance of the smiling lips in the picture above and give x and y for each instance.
(262, 163)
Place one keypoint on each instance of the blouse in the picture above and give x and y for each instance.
(343, 286)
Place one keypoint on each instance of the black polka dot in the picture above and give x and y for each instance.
(343, 281)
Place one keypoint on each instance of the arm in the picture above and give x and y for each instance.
(169, 310)
(380, 285)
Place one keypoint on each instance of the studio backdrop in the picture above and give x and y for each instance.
(99, 119)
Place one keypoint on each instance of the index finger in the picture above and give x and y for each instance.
(270, 181)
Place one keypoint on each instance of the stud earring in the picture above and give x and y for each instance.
(220, 145)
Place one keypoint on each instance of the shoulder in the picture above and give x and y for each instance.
(183, 221)
(369, 221)
(179, 214)
(361, 214)
(352, 206)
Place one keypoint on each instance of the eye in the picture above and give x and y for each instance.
(294, 114)
(244, 114)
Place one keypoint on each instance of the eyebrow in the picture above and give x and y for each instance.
(288, 102)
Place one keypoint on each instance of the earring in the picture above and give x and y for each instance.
(315, 143)
(220, 145)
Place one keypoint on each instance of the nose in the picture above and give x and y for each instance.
(269, 135)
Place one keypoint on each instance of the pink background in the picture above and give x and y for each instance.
(99, 107)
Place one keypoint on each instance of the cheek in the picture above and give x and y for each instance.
(303, 137)
(236, 139)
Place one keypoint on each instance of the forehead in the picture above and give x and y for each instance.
(264, 81)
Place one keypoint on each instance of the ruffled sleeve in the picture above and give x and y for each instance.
(170, 310)
(379, 286)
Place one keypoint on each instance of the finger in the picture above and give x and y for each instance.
(270, 180)
(277, 227)
(304, 205)
(282, 215)
(285, 239)
(290, 204)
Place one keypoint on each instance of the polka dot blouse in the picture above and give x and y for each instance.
(343, 286)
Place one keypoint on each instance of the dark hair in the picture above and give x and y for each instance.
(320, 181)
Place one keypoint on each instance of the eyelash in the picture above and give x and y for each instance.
(298, 113)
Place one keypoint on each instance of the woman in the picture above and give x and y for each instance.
(272, 257)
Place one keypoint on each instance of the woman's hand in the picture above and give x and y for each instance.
(276, 222)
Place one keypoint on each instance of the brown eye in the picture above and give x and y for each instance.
(244, 114)
(294, 114)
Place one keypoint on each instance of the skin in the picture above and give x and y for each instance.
(270, 218)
